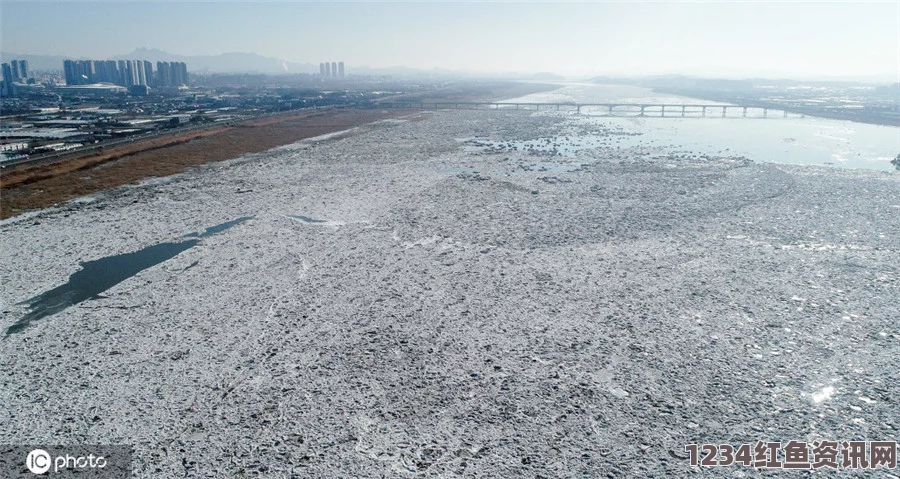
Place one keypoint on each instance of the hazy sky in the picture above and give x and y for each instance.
(797, 39)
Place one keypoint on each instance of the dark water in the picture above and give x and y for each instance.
(218, 228)
(306, 219)
(99, 275)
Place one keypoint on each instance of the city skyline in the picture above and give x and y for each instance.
(125, 72)
(795, 40)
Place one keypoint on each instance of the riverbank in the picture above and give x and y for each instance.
(420, 298)
(873, 115)
(29, 188)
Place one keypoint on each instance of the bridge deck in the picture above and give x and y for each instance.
(644, 109)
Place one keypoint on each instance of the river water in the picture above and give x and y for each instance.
(793, 140)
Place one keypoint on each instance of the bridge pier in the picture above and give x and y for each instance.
(630, 108)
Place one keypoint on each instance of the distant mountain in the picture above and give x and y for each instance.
(546, 76)
(407, 72)
(254, 63)
(38, 62)
(685, 82)
(224, 63)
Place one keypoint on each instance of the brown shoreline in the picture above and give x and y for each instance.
(36, 187)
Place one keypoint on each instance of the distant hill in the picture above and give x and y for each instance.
(681, 81)
(546, 76)
(407, 72)
(38, 62)
(254, 63)
(223, 63)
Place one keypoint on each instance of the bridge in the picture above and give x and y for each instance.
(666, 110)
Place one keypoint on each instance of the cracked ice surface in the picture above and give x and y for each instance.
(398, 305)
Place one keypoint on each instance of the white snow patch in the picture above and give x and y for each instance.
(310, 221)
(823, 394)
(619, 393)
(82, 200)
(153, 181)
(825, 247)
(21, 217)
(422, 242)
(393, 121)
(328, 136)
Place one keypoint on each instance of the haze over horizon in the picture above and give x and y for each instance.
(788, 40)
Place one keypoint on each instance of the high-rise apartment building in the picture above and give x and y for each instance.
(121, 72)
(171, 74)
(148, 73)
(163, 77)
(14, 68)
(19, 69)
(106, 71)
(142, 74)
(131, 74)
(122, 67)
(331, 69)
(7, 74)
(69, 71)
(111, 75)
(183, 73)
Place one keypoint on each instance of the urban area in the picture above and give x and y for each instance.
(91, 104)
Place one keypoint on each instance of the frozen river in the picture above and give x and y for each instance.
(792, 140)
(458, 294)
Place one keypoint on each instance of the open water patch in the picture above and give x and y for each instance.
(308, 220)
(99, 275)
(218, 228)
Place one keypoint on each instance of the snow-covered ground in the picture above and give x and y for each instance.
(422, 298)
